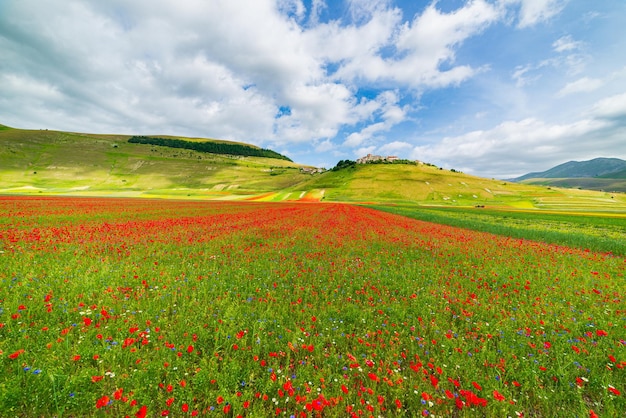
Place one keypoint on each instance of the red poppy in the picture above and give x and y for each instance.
(103, 401)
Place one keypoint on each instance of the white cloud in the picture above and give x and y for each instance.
(430, 40)
(611, 107)
(513, 148)
(364, 9)
(395, 147)
(566, 43)
(316, 9)
(292, 7)
(582, 85)
(361, 152)
(536, 11)
(384, 108)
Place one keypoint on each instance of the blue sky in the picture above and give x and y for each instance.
(494, 88)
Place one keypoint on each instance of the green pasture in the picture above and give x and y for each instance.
(595, 231)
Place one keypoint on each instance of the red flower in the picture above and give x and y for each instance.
(498, 396)
(143, 412)
(118, 394)
(103, 401)
(16, 354)
(614, 391)
(373, 377)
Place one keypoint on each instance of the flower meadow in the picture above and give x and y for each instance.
(144, 308)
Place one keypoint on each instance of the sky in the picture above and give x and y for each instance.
(493, 88)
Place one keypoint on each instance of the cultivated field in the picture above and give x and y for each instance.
(136, 307)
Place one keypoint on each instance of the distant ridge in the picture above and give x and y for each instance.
(603, 174)
(598, 167)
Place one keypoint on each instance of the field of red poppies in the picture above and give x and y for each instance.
(114, 307)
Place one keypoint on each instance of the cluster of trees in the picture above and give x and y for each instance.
(210, 147)
(349, 163)
(399, 161)
(344, 164)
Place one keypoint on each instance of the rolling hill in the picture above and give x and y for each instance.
(52, 162)
(597, 174)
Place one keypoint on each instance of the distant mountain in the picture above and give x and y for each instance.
(605, 174)
(598, 167)
(615, 175)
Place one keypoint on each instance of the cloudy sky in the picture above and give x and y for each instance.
(495, 88)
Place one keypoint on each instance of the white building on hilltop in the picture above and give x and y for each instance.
(372, 158)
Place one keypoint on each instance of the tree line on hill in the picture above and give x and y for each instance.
(351, 164)
(210, 147)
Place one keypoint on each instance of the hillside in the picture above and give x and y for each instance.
(429, 185)
(598, 174)
(52, 162)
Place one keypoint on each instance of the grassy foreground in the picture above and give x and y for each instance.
(121, 307)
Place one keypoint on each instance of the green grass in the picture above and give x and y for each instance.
(108, 305)
(596, 232)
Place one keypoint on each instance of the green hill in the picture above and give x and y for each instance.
(429, 185)
(52, 162)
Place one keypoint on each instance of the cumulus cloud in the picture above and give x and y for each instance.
(387, 113)
(226, 68)
(343, 78)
